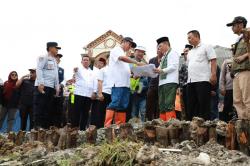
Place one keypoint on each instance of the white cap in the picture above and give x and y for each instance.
(140, 48)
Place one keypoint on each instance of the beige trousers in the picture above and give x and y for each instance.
(241, 94)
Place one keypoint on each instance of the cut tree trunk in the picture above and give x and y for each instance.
(91, 134)
(20, 137)
(41, 136)
(241, 127)
(230, 141)
(127, 132)
(33, 135)
(162, 135)
(110, 134)
(149, 134)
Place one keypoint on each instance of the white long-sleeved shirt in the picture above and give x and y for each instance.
(47, 72)
(85, 82)
(172, 69)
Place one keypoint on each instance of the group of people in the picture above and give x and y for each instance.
(107, 92)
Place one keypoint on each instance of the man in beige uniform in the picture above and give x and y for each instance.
(241, 82)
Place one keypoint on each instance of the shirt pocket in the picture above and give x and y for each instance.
(50, 65)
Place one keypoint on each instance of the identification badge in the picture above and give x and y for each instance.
(50, 65)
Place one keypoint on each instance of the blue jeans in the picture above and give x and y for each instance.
(138, 107)
(119, 99)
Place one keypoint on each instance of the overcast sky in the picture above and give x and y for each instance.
(26, 26)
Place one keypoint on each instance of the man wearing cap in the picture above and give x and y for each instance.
(47, 85)
(120, 81)
(241, 81)
(241, 70)
(138, 88)
(183, 77)
(26, 88)
(202, 68)
(57, 112)
(168, 79)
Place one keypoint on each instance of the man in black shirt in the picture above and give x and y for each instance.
(152, 109)
(26, 89)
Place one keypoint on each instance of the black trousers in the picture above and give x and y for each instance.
(80, 114)
(227, 113)
(98, 111)
(42, 106)
(199, 100)
(57, 112)
(185, 114)
(25, 111)
(152, 104)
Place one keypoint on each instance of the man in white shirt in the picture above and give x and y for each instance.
(201, 75)
(120, 81)
(168, 79)
(84, 92)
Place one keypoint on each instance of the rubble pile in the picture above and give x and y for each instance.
(151, 143)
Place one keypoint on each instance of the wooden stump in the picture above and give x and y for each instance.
(202, 135)
(162, 135)
(241, 127)
(110, 134)
(41, 136)
(12, 136)
(230, 141)
(212, 134)
(173, 134)
(185, 131)
(127, 132)
(149, 134)
(20, 137)
(91, 134)
(33, 135)
(73, 138)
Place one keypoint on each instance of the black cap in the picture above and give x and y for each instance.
(238, 20)
(162, 39)
(33, 69)
(59, 55)
(129, 39)
(53, 44)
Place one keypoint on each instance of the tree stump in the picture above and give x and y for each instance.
(73, 138)
(62, 139)
(212, 134)
(149, 134)
(126, 132)
(33, 135)
(110, 134)
(230, 141)
(20, 137)
(173, 134)
(12, 136)
(185, 131)
(241, 127)
(91, 134)
(162, 135)
(41, 136)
